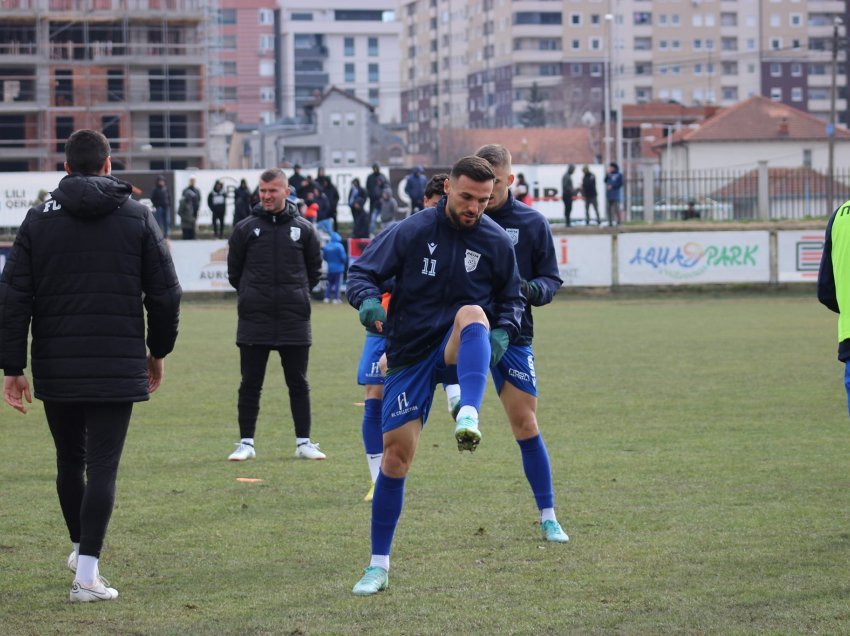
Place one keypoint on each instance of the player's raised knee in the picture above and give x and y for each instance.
(469, 314)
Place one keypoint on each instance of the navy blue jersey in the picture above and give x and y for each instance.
(535, 255)
(438, 269)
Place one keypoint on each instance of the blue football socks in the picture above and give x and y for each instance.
(373, 439)
(473, 364)
(386, 510)
(538, 471)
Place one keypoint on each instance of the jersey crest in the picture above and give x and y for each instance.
(295, 233)
(470, 261)
(513, 232)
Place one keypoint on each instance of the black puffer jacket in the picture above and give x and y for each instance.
(274, 261)
(85, 266)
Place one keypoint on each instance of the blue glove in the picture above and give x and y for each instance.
(530, 290)
(499, 341)
(372, 311)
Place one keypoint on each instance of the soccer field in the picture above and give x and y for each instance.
(699, 446)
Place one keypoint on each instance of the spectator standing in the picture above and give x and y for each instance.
(389, 209)
(521, 190)
(192, 196)
(357, 202)
(217, 203)
(588, 193)
(330, 191)
(89, 356)
(614, 193)
(161, 199)
(274, 261)
(334, 255)
(375, 184)
(568, 192)
(414, 187)
(188, 215)
(241, 202)
(296, 180)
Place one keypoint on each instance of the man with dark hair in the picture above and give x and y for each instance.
(273, 262)
(455, 306)
(375, 184)
(514, 375)
(89, 359)
(161, 200)
(296, 180)
(435, 189)
(614, 193)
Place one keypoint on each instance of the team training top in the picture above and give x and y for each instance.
(834, 275)
(535, 255)
(438, 269)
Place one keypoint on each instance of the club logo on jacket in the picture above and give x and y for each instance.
(513, 232)
(256, 231)
(432, 247)
(295, 233)
(470, 262)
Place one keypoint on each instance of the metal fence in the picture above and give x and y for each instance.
(730, 195)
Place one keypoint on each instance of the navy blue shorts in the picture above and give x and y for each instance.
(368, 371)
(517, 368)
(409, 391)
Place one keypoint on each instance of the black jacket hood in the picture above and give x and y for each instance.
(290, 210)
(91, 196)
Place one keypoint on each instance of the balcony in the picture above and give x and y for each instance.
(105, 9)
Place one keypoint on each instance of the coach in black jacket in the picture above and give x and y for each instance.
(86, 266)
(274, 260)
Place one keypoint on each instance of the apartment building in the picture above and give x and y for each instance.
(245, 61)
(133, 69)
(336, 43)
(479, 63)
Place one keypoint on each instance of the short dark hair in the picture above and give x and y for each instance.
(86, 151)
(496, 155)
(274, 173)
(475, 168)
(436, 186)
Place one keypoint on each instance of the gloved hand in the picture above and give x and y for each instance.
(499, 341)
(530, 290)
(371, 311)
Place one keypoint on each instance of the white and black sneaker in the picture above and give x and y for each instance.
(72, 561)
(98, 591)
(309, 450)
(243, 451)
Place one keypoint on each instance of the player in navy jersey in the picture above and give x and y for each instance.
(456, 304)
(514, 375)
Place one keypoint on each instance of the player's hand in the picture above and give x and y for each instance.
(499, 341)
(530, 290)
(16, 389)
(372, 314)
(156, 371)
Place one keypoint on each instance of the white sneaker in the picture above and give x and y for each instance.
(99, 591)
(243, 451)
(336, 301)
(309, 450)
(326, 300)
(72, 561)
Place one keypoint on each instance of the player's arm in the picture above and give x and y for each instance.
(235, 257)
(16, 303)
(826, 278)
(313, 258)
(546, 282)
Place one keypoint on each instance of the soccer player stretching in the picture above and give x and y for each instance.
(514, 376)
(456, 304)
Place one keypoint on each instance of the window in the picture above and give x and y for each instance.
(536, 17)
(775, 70)
(662, 19)
(675, 45)
(304, 41)
(348, 47)
(674, 19)
(730, 68)
(373, 47)
(775, 44)
(796, 69)
(697, 44)
(266, 68)
(795, 19)
(729, 19)
(336, 158)
(266, 93)
(775, 20)
(594, 19)
(796, 94)
(575, 70)
(266, 16)
(350, 119)
(776, 94)
(643, 44)
(642, 17)
(595, 44)
(64, 91)
(696, 20)
(550, 69)
(336, 120)
(64, 128)
(266, 43)
(595, 69)
(373, 73)
(575, 45)
(729, 44)
(350, 157)
(358, 15)
(730, 93)
(697, 69)
(373, 96)
(349, 72)
(575, 19)
(110, 126)
(818, 93)
(301, 17)
(662, 45)
(226, 16)
(115, 85)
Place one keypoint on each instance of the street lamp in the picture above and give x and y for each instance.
(606, 137)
